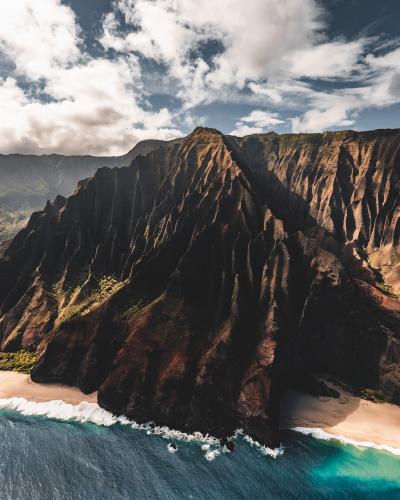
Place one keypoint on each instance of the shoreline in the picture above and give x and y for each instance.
(349, 419)
(19, 393)
(20, 385)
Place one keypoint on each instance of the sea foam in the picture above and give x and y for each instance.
(317, 433)
(270, 452)
(92, 413)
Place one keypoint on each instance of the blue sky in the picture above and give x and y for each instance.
(96, 76)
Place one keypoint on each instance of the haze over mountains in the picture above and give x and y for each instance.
(193, 286)
(28, 181)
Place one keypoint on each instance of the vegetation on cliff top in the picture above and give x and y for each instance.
(20, 361)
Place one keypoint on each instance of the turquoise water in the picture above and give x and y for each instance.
(41, 458)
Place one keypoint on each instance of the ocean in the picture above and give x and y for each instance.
(45, 458)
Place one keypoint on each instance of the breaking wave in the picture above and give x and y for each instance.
(92, 413)
(270, 452)
(326, 436)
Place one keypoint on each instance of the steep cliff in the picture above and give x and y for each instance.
(191, 287)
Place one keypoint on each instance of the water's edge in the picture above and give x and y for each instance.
(318, 433)
(92, 413)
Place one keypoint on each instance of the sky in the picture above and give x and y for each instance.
(97, 76)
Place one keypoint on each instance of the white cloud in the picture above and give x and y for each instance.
(259, 36)
(83, 125)
(242, 129)
(38, 36)
(337, 59)
(390, 60)
(336, 114)
(341, 107)
(266, 45)
(257, 40)
(262, 118)
(277, 90)
(256, 122)
(73, 103)
(394, 87)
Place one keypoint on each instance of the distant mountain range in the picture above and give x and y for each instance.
(192, 287)
(28, 181)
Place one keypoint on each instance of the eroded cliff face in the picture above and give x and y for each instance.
(194, 285)
(345, 182)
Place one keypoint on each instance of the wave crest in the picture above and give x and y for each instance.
(317, 433)
(270, 452)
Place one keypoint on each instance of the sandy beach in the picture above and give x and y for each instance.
(13, 384)
(349, 416)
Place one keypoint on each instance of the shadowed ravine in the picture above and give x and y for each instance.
(194, 286)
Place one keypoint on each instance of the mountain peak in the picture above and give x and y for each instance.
(206, 132)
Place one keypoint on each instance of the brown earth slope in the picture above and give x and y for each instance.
(193, 286)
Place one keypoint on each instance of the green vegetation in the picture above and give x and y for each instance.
(372, 395)
(65, 292)
(20, 361)
(70, 312)
(135, 307)
(107, 286)
(338, 134)
(310, 138)
(387, 290)
(11, 222)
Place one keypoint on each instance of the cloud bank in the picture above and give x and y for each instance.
(58, 98)
(56, 95)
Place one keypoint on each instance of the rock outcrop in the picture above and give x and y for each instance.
(193, 286)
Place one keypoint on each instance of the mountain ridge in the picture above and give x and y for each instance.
(191, 287)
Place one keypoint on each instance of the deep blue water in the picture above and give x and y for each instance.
(41, 458)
